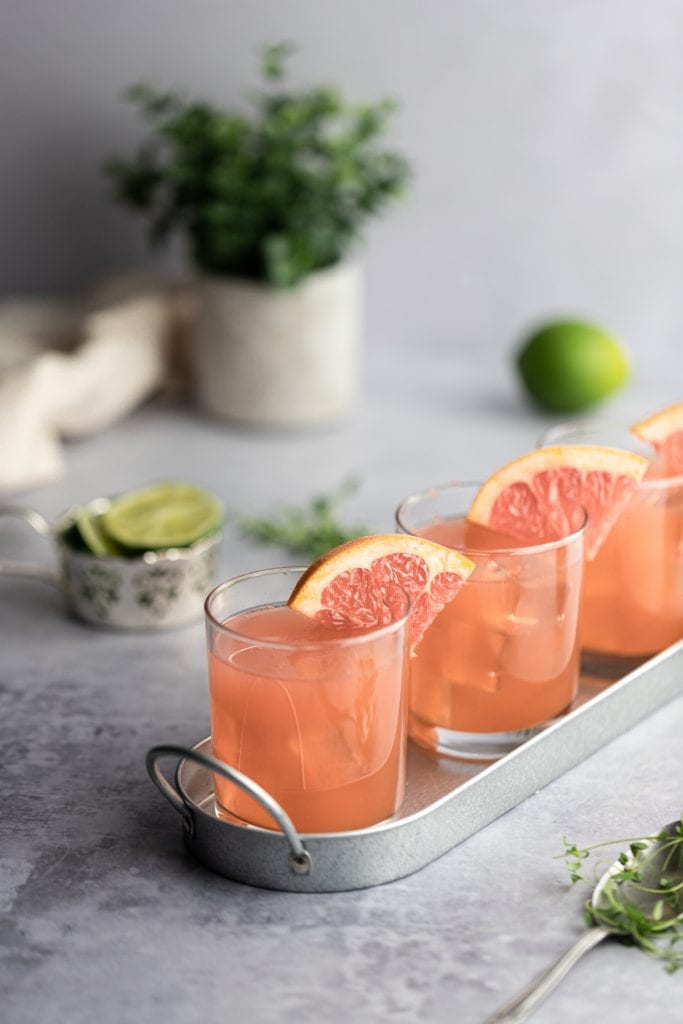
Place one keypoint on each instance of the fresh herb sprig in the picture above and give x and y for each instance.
(647, 913)
(309, 530)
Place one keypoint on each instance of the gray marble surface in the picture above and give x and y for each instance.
(104, 917)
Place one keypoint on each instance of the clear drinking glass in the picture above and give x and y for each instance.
(502, 659)
(633, 588)
(315, 716)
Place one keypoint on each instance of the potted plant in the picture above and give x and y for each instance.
(271, 202)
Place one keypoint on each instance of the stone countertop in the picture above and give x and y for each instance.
(105, 917)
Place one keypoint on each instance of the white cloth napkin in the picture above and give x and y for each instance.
(67, 370)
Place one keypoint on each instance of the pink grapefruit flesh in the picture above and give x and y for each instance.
(549, 493)
(363, 584)
(664, 431)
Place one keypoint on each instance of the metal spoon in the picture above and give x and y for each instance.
(651, 861)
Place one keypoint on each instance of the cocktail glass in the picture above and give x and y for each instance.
(633, 588)
(316, 716)
(502, 660)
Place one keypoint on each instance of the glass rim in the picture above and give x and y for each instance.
(366, 636)
(526, 549)
(658, 483)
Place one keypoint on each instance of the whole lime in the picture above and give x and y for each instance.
(568, 365)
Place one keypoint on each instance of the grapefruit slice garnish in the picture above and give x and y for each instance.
(363, 583)
(664, 431)
(546, 494)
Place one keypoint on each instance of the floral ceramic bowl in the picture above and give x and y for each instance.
(153, 590)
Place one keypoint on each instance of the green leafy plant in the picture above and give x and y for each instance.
(271, 195)
(649, 915)
(308, 530)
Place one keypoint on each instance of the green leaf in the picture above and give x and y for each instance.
(649, 922)
(273, 60)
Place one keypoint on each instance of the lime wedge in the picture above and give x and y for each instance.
(165, 515)
(93, 535)
(84, 532)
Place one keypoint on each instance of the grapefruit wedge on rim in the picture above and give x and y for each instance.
(664, 431)
(545, 495)
(363, 583)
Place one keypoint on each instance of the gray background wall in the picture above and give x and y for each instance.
(547, 137)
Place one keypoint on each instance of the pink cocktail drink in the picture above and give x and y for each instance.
(633, 587)
(314, 714)
(503, 659)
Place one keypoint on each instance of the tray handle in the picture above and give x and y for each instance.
(299, 857)
(32, 570)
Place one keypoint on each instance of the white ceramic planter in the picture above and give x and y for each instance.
(279, 356)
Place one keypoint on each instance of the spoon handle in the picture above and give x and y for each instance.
(525, 1002)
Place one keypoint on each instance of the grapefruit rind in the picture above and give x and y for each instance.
(657, 428)
(664, 431)
(364, 553)
(613, 463)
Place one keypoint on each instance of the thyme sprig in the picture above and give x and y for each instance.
(642, 899)
(308, 530)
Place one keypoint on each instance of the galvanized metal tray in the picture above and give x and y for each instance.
(446, 801)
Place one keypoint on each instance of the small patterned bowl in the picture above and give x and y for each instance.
(155, 590)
